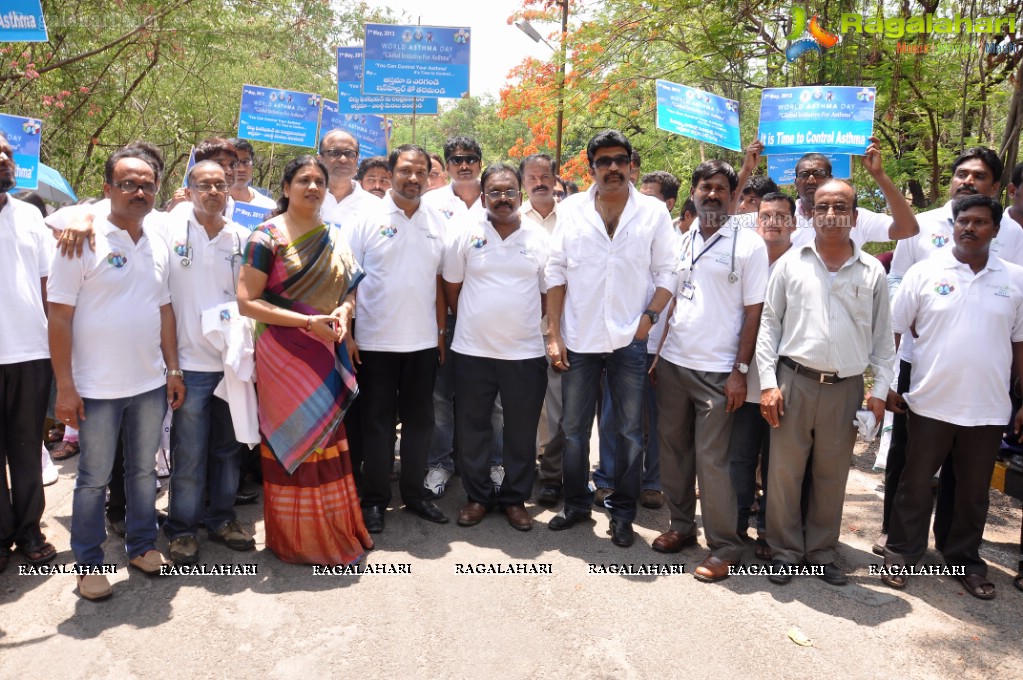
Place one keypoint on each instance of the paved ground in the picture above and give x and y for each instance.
(286, 622)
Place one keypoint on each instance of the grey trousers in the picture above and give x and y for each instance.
(693, 432)
(819, 420)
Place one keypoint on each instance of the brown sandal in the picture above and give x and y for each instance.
(978, 586)
(897, 581)
(66, 449)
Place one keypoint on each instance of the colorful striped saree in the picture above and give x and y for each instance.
(304, 386)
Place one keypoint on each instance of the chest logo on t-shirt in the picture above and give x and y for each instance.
(943, 287)
(117, 259)
(447, 212)
(477, 241)
(939, 240)
(1001, 291)
(388, 231)
(180, 248)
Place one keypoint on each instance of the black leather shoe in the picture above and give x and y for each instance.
(246, 496)
(373, 516)
(427, 510)
(833, 575)
(778, 576)
(548, 495)
(622, 534)
(567, 518)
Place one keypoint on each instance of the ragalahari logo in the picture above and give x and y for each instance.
(808, 37)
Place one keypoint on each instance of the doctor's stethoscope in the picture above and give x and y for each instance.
(233, 258)
(694, 258)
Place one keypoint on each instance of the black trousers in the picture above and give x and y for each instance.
(24, 392)
(522, 385)
(973, 451)
(897, 462)
(395, 385)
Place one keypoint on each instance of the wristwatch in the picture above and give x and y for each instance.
(654, 316)
(176, 373)
(741, 367)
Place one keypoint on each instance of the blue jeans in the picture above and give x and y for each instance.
(204, 452)
(603, 476)
(626, 375)
(443, 443)
(142, 416)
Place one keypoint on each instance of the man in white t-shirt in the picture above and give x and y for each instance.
(1014, 192)
(493, 277)
(205, 256)
(241, 189)
(701, 371)
(400, 245)
(611, 241)
(962, 297)
(345, 199)
(26, 249)
(116, 296)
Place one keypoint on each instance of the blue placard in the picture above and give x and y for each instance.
(782, 169)
(825, 119)
(23, 135)
(249, 215)
(369, 130)
(698, 115)
(271, 115)
(424, 61)
(352, 100)
(22, 21)
(188, 167)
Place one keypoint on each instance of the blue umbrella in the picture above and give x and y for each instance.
(53, 187)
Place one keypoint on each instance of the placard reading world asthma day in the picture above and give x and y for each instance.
(22, 21)
(352, 100)
(23, 134)
(421, 61)
(825, 119)
(698, 115)
(282, 116)
(370, 131)
(782, 169)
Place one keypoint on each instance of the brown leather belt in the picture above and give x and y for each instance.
(822, 378)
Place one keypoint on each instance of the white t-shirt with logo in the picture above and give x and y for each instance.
(26, 248)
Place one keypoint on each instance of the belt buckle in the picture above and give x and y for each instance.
(822, 377)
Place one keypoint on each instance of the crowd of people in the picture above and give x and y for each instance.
(407, 317)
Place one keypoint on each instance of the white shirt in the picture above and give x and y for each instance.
(966, 325)
(232, 335)
(753, 375)
(834, 324)
(607, 280)
(502, 280)
(703, 333)
(528, 211)
(117, 292)
(871, 227)
(936, 230)
(450, 205)
(350, 208)
(261, 200)
(26, 248)
(59, 220)
(396, 307)
(210, 280)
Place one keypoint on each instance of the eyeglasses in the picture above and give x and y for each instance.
(247, 162)
(607, 161)
(464, 160)
(350, 154)
(816, 174)
(559, 194)
(129, 187)
(823, 208)
(207, 187)
(510, 194)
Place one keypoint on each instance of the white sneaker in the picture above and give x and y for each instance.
(162, 463)
(436, 480)
(50, 471)
(497, 477)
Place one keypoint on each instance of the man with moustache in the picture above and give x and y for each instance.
(974, 172)
(26, 249)
(599, 314)
(538, 179)
(959, 298)
(826, 318)
(373, 176)
(345, 198)
(701, 372)
(400, 308)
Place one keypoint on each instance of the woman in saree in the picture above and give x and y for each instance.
(298, 282)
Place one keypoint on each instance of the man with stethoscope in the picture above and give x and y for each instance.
(701, 370)
(205, 257)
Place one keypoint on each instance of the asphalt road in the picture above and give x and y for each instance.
(440, 619)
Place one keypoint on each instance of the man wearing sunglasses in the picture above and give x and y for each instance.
(345, 198)
(600, 311)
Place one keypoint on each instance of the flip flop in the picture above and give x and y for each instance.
(55, 435)
(64, 450)
(897, 581)
(39, 554)
(975, 585)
